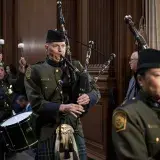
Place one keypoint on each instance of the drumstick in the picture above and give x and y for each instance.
(13, 112)
(21, 46)
(1, 41)
(1, 44)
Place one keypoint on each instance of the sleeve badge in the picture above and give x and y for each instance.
(119, 120)
(28, 73)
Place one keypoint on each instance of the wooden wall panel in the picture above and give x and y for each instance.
(1, 25)
(95, 124)
(70, 17)
(34, 19)
(8, 29)
(1, 13)
(124, 43)
(101, 29)
(82, 28)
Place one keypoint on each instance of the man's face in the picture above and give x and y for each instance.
(21, 103)
(150, 83)
(55, 50)
(2, 73)
(133, 61)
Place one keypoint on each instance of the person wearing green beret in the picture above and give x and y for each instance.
(49, 87)
(136, 124)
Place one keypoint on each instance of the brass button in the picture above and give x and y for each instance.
(157, 139)
(57, 70)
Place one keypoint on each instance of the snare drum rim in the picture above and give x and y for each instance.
(24, 148)
(20, 122)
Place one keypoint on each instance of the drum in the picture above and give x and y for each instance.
(18, 132)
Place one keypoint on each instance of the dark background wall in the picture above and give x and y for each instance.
(102, 21)
(34, 18)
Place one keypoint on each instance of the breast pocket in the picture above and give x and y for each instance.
(48, 86)
(153, 139)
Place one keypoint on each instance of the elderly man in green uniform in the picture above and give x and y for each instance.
(49, 87)
(136, 124)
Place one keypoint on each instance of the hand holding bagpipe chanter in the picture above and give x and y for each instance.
(84, 82)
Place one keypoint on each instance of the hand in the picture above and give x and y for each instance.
(22, 69)
(83, 99)
(73, 109)
(22, 62)
(22, 65)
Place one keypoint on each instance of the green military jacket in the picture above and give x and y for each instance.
(136, 129)
(41, 83)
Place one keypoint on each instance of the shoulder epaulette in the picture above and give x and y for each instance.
(127, 102)
(40, 62)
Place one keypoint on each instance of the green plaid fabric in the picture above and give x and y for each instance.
(45, 149)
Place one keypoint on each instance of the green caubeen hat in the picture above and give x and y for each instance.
(148, 58)
(55, 36)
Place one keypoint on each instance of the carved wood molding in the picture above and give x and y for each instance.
(106, 80)
(95, 155)
(96, 143)
(94, 69)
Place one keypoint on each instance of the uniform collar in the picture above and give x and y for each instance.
(145, 97)
(53, 63)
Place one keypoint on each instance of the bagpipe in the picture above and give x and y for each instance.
(81, 80)
(62, 28)
(76, 76)
(105, 66)
(138, 37)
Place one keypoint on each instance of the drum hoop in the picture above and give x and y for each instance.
(20, 122)
(23, 148)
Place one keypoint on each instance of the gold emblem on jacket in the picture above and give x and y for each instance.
(119, 120)
(28, 73)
